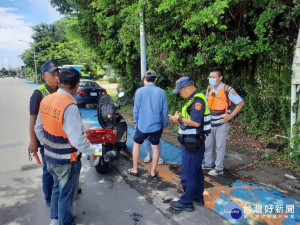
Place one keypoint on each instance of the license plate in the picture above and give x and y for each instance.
(93, 94)
(98, 151)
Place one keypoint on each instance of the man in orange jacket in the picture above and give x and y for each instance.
(219, 97)
(59, 127)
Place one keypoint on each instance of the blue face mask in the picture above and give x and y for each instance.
(212, 81)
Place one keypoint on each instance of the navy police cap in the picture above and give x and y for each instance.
(181, 83)
(49, 67)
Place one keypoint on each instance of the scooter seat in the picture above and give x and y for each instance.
(106, 112)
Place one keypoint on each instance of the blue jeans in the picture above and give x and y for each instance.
(192, 178)
(66, 178)
(47, 179)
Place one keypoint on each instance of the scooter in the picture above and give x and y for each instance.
(112, 137)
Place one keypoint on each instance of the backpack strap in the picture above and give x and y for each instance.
(230, 106)
(208, 89)
(227, 89)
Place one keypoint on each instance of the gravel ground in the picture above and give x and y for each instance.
(109, 85)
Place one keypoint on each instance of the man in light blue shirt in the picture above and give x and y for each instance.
(150, 113)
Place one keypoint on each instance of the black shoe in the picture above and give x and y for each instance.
(181, 207)
(48, 203)
(199, 201)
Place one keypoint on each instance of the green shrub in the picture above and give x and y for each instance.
(111, 79)
(101, 72)
(98, 76)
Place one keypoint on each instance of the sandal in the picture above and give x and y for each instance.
(132, 173)
(155, 175)
(147, 159)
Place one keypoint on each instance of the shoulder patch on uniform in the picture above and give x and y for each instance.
(234, 93)
(198, 106)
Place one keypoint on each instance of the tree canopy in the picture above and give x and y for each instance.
(56, 42)
(253, 41)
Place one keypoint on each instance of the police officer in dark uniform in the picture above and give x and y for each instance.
(194, 121)
(50, 75)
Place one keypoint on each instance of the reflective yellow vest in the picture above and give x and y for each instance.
(44, 91)
(206, 120)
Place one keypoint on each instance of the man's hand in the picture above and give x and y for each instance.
(226, 118)
(33, 147)
(175, 117)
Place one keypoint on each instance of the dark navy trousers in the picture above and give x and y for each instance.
(47, 178)
(192, 178)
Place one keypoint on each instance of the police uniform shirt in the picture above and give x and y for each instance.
(35, 100)
(232, 95)
(197, 109)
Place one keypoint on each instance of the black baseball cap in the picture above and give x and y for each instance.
(69, 76)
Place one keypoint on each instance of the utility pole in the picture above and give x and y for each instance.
(25, 71)
(36, 75)
(295, 89)
(143, 42)
(34, 59)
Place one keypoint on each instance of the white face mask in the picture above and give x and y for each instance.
(212, 81)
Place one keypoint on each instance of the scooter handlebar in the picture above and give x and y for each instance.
(117, 105)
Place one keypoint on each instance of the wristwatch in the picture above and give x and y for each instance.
(180, 120)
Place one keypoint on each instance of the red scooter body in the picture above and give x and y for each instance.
(104, 136)
(112, 137)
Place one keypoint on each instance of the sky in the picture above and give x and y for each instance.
(16, 19)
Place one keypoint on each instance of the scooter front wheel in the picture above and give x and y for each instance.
(102, 166)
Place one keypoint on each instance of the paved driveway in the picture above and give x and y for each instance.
(108, 85)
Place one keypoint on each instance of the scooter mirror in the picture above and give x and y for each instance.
(121, 94)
